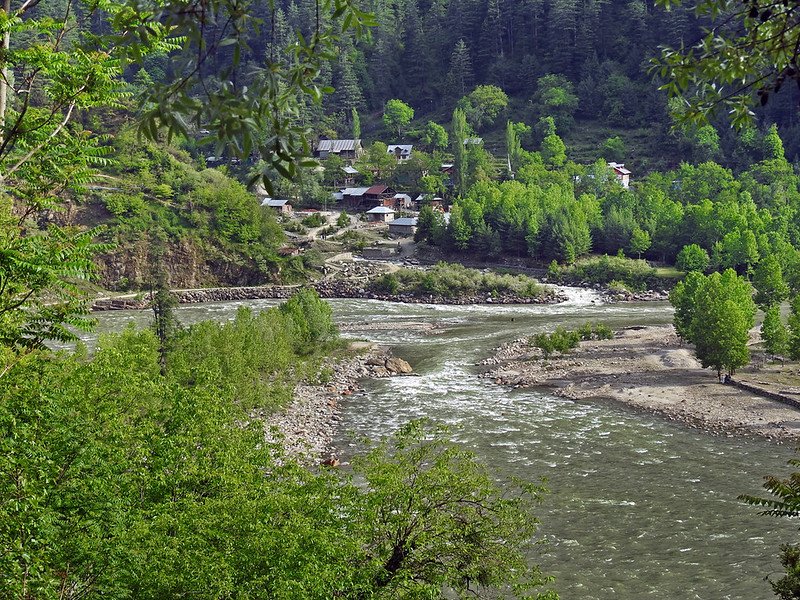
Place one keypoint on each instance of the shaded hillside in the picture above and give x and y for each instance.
(162, 209)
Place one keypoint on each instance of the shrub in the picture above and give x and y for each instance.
(314, 220)
(633, 274)
(562, 340)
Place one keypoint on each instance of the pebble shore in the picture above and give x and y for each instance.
(307, 426)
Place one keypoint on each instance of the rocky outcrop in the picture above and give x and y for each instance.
(186, 263)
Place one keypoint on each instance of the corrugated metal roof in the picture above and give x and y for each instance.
(376, 190)
(354, 191)
(619, 167)
(274, 203)
(337, 146)
(405, 222)
(380, 210)
(350, 170)
(402, 196)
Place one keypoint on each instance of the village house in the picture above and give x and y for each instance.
(400, 151)
(346, 149)
(402, 202)
(404, 226)
(280, 206)
(623, 175)
(380, 214)
(350, 175)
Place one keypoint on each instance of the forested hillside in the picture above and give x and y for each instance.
(579, 61)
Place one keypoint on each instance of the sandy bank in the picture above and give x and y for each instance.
(649, 369)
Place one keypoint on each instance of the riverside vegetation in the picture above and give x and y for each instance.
(121, 479)
(130, 473)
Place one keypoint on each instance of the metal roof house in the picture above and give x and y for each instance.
(281, 206)
(350, 149)
(400, 151)
(380, 214)
(404, 226)
(623, 174)
(402, 201)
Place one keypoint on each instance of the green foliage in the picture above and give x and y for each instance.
(435, 136)
(120, 482)
(343, 220)
(636, 274)
(614, 149)
(554, 152)
(435, 519)
(773, 332)
(555, 96)
(768, 281)
(692, 258)
(459, 131)
(314, 220)
(640, 242)
(483, 105)
(42, 273)
(311, 319)
(748, 54)
(251, 105)
(794, 329)
(386, 283)
(205, 205)
(784, 502)
(563, 340)
(165, 321)
(397, 115)
(450, 280)
(715, 313)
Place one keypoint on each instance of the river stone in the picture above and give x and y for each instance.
(376, 361)
(398, 365)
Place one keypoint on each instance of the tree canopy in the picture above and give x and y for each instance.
(750, 51)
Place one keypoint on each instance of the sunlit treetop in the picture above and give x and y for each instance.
(748, 54)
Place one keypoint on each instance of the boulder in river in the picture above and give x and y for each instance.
(398, 365)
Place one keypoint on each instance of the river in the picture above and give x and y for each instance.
(638, 507)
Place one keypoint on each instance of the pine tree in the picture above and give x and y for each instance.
(460, 77)
(347, 96)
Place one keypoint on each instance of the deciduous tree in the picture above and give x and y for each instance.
(397, 115)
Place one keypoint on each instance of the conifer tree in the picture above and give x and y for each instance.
(460, 76)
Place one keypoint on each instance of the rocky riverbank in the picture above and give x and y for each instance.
(307, 426)
(343, 288)
(647, 368)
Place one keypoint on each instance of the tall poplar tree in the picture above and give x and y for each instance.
(457, 140)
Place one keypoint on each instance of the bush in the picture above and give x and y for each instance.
(634, 274)
(562, 340)
(314, 220)
(453, 280)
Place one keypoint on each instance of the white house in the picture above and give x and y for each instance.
(623, 175)
(380, 214)
(400, 151)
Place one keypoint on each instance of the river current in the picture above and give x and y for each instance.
(638, 507)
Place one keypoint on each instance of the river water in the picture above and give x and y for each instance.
(638, 507)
